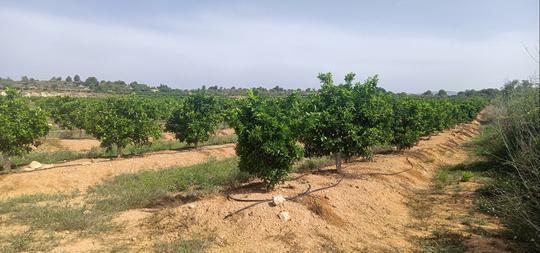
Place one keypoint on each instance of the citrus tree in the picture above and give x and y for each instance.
(119, 121)
(372, 115)
(67, 112)
(267, 145)
(21, 126)
(196, 118)
(406, 121)
(328, 127)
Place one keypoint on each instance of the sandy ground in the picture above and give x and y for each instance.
(366, 212)
(75, 145)
(79, 174)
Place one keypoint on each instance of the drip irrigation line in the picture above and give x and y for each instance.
(305, 193)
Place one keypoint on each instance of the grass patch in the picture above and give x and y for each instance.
(420, 205)
(466, 176)
(442, 179)
(18, 203)
(443, 241)
(48, 157)
(57, 217)
(306, 165)
(197, 243)
(146, 188)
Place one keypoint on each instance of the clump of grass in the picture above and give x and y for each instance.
(466, 176)
(442, 179)
(146, 188)
(19, 242)
(197, 243)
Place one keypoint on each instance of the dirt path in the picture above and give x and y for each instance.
(365, 213)
(80, 174)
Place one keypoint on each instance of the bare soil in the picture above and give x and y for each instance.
(75, 145)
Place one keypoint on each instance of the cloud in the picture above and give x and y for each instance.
(223, 50)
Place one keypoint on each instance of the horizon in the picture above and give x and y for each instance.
(413, 46)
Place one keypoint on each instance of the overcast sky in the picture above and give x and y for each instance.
(412, 45)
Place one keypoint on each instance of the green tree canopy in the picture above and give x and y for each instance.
(267, 145)
(196, 118)
(21, 126)
(119, 121)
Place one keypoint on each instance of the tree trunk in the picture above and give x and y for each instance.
(80, 133)
(119, 150)
(6, 163)
(337, 158)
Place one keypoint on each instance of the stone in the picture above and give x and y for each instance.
(46, 166)
(284, 216)
(27, 169)
(278, 200)
(35, 165)
(191, 206)
(221, 241)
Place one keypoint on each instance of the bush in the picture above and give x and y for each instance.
(267, 145)
(20, 126)
(466, 176)
(119, 121)
(196, 119)
(513, 140)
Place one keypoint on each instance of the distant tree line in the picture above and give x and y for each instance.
(93, 84)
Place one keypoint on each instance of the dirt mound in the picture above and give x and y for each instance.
(322, 208)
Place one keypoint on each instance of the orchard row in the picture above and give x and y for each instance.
(341, 120)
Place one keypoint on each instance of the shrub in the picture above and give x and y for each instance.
(119, 121)
(267, 145)
(466, 176)
(197, 118)
(20, 126)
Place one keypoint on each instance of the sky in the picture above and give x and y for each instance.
(412, 45)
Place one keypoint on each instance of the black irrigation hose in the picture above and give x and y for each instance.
(268, 200)
(261, 201)
(305, 193)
